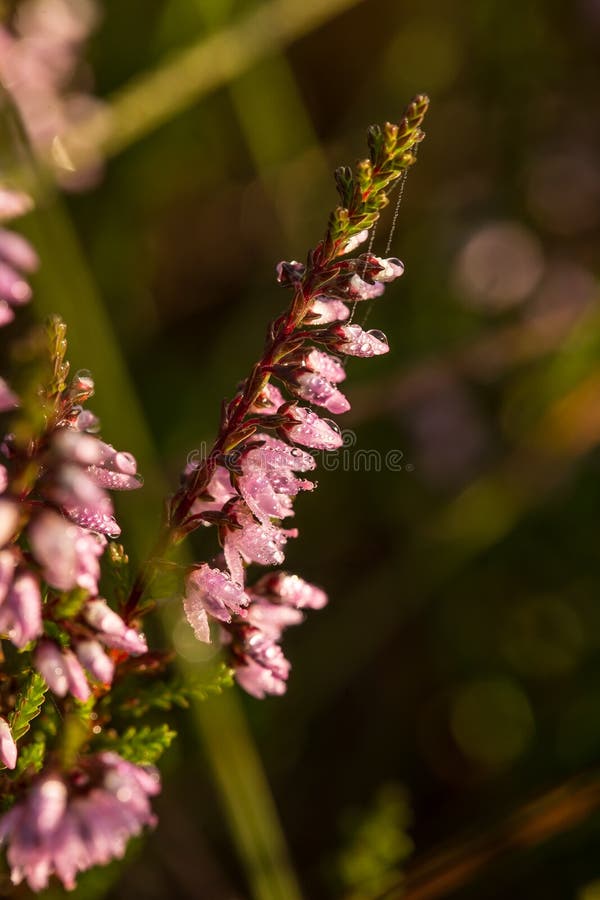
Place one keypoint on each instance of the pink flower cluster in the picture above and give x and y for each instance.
(17, 260)
(70, 822)
(65, 518)
(252, 490)
(40, 55)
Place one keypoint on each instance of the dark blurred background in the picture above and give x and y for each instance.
(455, 674)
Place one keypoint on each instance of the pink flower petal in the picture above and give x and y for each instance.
(307, 428)
(351, 339)
(325, 310)
(326, 365)
(8, 748)
(216, 592)
(315, 389)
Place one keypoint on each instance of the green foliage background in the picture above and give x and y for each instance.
(460, 653)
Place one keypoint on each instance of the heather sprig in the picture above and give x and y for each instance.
(82, 697)
(249, 479)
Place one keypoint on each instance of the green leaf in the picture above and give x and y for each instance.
(28, 705)
(31, 757)
(178, 692)
(378, 845)
(69, 604)
(143, 746)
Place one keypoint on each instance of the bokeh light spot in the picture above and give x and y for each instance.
(492, 721)
(499, 266)
(544, 637)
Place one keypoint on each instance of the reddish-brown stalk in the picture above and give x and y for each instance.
(363, 196)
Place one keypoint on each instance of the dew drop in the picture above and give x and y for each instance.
(379, 336)
(333, 425)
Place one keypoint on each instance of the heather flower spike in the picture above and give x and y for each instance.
(268, 428)
(80, 782)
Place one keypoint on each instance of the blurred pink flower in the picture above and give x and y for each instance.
(68, 823)
(112, 630)
(69, 555)
(61, 670)
(8, 748)
(20, 604)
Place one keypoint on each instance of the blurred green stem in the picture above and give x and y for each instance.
(153, 98)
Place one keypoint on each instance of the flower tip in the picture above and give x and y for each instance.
(8, 747)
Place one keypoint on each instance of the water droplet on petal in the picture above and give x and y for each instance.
(379, 336)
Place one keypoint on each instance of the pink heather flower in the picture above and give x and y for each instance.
(305, 427)
(391, 269)
(20, 608)
(324, 310)
(219, 490)
(17, 257)
(61, 670)
(8, 399)
(276, 601)
(315, 389)
(112, 630)
(83, 501)
(291, 590)
(8, 748)
(67, 824)
(86, 466)
(93, 658)
(351, 339)
(3, 481)
(13, 204)
(268, 401)
(289, 272)
(107, 467)
(17, 252)
(78, 683)
(355, 241)
(49, 662)
(118, 470)
(197, 617)
(7, 573)
(9, 519)
(211, 591)
(69, 555)
(39, 57)
(358, 289)
(85, 420)
(271, 618)
(74, 446)
(275, 455)
(268, 483)
(259, 542)
(265, 669)
(269, 495)
(326, 365)
(259, 664)
(259, 681)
